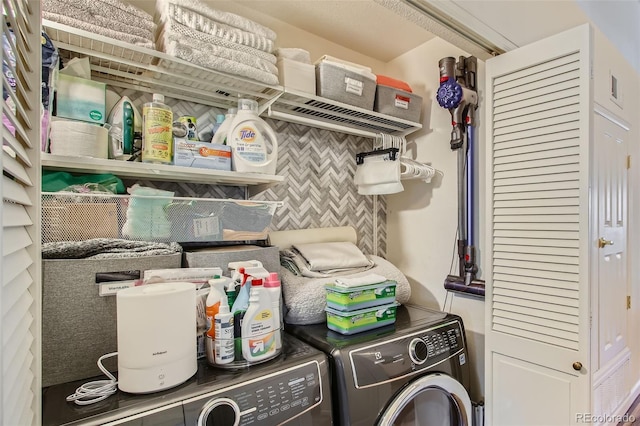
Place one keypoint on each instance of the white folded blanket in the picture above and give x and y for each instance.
(200, 23)
(305, 298)
(231, 19)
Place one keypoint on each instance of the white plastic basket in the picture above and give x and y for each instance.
(74, 217)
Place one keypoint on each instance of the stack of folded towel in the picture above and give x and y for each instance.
(222, 41)
(110, 18)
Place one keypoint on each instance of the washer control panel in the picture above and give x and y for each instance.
(271, 399)
(407, 354)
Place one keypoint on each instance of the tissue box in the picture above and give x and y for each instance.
(80, 99)
(297, 75)
(361, 297)
(202, 155)
(397, 103)
(361, 320)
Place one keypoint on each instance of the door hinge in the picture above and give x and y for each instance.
(628, 162)
(628, 302)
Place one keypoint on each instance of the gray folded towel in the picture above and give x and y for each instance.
(107, 248)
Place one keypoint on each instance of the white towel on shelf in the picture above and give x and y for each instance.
(105, 15)
(200, 23)
(173, 31)
(96, 29)
(332, 255)
(206, 60)
(230, 19)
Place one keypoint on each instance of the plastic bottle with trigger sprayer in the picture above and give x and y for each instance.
(273, 288)
(253, 142)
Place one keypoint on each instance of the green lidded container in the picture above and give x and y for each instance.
(361, 297)
(361, 320)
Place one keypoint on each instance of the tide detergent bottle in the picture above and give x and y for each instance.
(253, 142)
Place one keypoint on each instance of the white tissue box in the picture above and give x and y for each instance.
(80, 99)
(297, 75)
(203, 155)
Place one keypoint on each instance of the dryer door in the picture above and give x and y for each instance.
(431, 400)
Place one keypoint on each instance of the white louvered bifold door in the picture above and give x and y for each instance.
(20, 293)
(538, 100)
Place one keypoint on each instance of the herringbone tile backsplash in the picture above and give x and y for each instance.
(318, 168)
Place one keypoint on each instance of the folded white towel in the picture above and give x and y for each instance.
(200, 23)
(112, 14)
(360, 281)
(332, 255)
(228, 18)
(206, 60)
(295, 54)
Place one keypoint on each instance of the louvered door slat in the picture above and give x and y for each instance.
(536, 226)
(19, 261)
(538, 158)
(550, 98)
(506, 280)
(10, 141)
(514, 292)
(567, 291)
(537, 313)
(532, 95)
(534, 182)
(518, 175)
(536, 273)
(534, 114)
(500, 301)
(529, 265)
(15, 169)
(553, 131)
(14, 192)
(539, 321)
(524, 250)
(537, 124)
(14, 215)
(543, 218)
(535, 332)
(517, 255)
(523, 203)
(14, 239)
(506, 149)
(524, 74)
(532, 85)
(562, 193)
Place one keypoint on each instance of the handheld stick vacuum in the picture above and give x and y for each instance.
(458, 93)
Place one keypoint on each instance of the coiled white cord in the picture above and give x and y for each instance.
(97, 390)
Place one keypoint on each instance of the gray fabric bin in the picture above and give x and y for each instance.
(342, 85)
(397, 103)
(78, 325)
(221, 256)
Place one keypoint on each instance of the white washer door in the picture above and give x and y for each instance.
(431, 400)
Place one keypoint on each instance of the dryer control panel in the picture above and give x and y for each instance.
(409, 354)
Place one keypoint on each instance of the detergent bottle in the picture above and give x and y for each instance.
(258, 326)
(157, 137)
(254, 145)
(221, 133)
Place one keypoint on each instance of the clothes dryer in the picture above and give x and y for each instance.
(414, 372)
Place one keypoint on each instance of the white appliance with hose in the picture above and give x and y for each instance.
(156, 336)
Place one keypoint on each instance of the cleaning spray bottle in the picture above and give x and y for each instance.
(273, 288)
(241, 304)
(253, 142)
(221, 134)
(214, 299)
(224, 343)
(259, 326)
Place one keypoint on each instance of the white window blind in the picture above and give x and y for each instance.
(536, 181)
(20, 291)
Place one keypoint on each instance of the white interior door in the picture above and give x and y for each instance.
(610, 145)
(538, 104)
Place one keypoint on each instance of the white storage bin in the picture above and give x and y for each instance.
(345, 84)
(297, 75)
(73, 217)
(397, 103)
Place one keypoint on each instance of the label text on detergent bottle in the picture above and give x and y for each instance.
(250, 145)
(158, 137)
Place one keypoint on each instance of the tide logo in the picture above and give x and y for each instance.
(247, 134)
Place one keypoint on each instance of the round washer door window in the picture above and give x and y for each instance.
(432, 400)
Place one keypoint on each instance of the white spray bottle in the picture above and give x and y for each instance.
(258, 326)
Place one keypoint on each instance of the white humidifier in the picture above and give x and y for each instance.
(156, 336)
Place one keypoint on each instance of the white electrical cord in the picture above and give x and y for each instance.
(97, 390)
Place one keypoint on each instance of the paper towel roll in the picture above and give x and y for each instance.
(75, 138)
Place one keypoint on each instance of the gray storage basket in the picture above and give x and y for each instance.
(397, 103)
(339, 84)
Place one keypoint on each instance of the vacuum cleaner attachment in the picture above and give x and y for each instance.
(458, 93)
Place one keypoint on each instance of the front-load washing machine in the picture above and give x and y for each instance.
(414, 372)
(292, 389)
